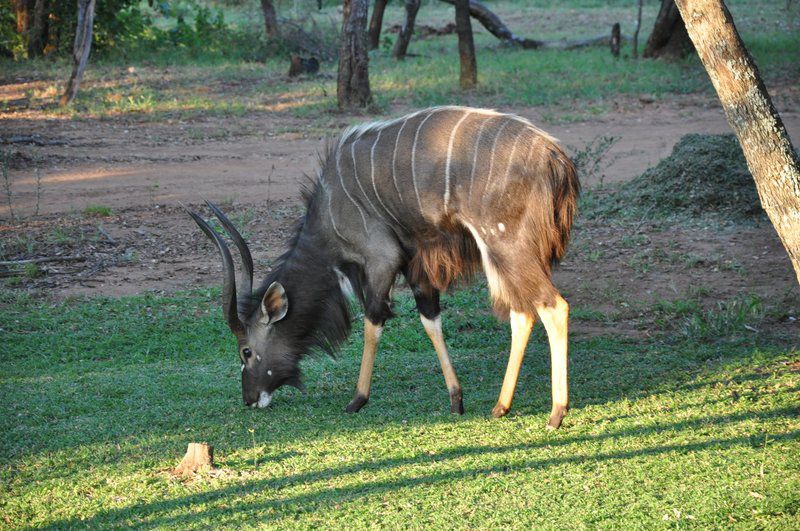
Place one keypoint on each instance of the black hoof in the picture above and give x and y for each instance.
(499, 411)
(456, 402)
(356, 404)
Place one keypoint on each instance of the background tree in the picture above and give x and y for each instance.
(669, 38)
(80, 52)
(352, 88)
(32, 24)
(376, 22)
(270, 18)
(406, 30)
(750, 113)
(466, 46)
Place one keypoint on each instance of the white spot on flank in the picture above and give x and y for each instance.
(264, 399)
(269, 372)
(501, 227)
(258, 357)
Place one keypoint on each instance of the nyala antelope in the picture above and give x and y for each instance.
(434, 195)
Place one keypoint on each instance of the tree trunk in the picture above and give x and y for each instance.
(466, 46)
(750, 113)
(669, 39)
(352, 88)
(636, 31)
(495, 26)
(615, 39)
(32, 25)
(199, 456)
(80, 52)
(404, 37)
(270, 18)
(376, 22)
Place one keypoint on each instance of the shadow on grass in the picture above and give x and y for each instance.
(151, 514)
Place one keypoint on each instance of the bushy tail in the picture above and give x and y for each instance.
(566, 189)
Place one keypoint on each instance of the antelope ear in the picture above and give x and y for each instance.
(274, 305)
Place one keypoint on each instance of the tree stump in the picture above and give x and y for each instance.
(199, 456)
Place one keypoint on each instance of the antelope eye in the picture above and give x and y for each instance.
(246, 352)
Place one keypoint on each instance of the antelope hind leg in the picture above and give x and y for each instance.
(555, 320)
(372, 334)
(521, 324)
(434, 331)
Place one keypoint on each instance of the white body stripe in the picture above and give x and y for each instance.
(394, 158)
(491, 159)
(372, 176)
(414, 156)
(355, 176)
(511, 156)
(475, 156)
(449, 157)
(344, 188)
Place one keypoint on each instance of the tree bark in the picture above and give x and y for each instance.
(407, 29)
(376, 22)
(750, 113)
(270, 18)
(80, 52)
(199, 456)
(466, 46)
(615, 39)
(669, 39)
(352, 88)
(495, 26)
(31, 18)
(636, 31)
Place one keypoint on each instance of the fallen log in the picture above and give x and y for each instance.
(489, 20)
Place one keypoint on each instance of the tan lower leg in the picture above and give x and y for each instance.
(521, 324)
(555, 320)
(372, 334)
(434, 331)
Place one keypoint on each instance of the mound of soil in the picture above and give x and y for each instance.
(705, 174)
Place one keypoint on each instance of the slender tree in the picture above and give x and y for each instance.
(466, 46)
(352, 89)
(750, 113)
(376, 22)
(80, 52)
(270, 18)
(406, 30)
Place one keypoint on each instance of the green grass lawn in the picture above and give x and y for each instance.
(101, 396)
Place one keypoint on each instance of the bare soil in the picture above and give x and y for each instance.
(254, 166)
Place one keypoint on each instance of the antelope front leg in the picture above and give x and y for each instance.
(372, 334)
(555, 321)
(521, 324)
(434, 331)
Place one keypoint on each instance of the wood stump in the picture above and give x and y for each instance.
(199, 456)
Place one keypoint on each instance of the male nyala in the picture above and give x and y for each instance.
(434, 196)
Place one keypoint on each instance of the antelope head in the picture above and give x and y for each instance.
(267, 352)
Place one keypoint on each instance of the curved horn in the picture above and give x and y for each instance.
(244, 251)
(229, 282)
